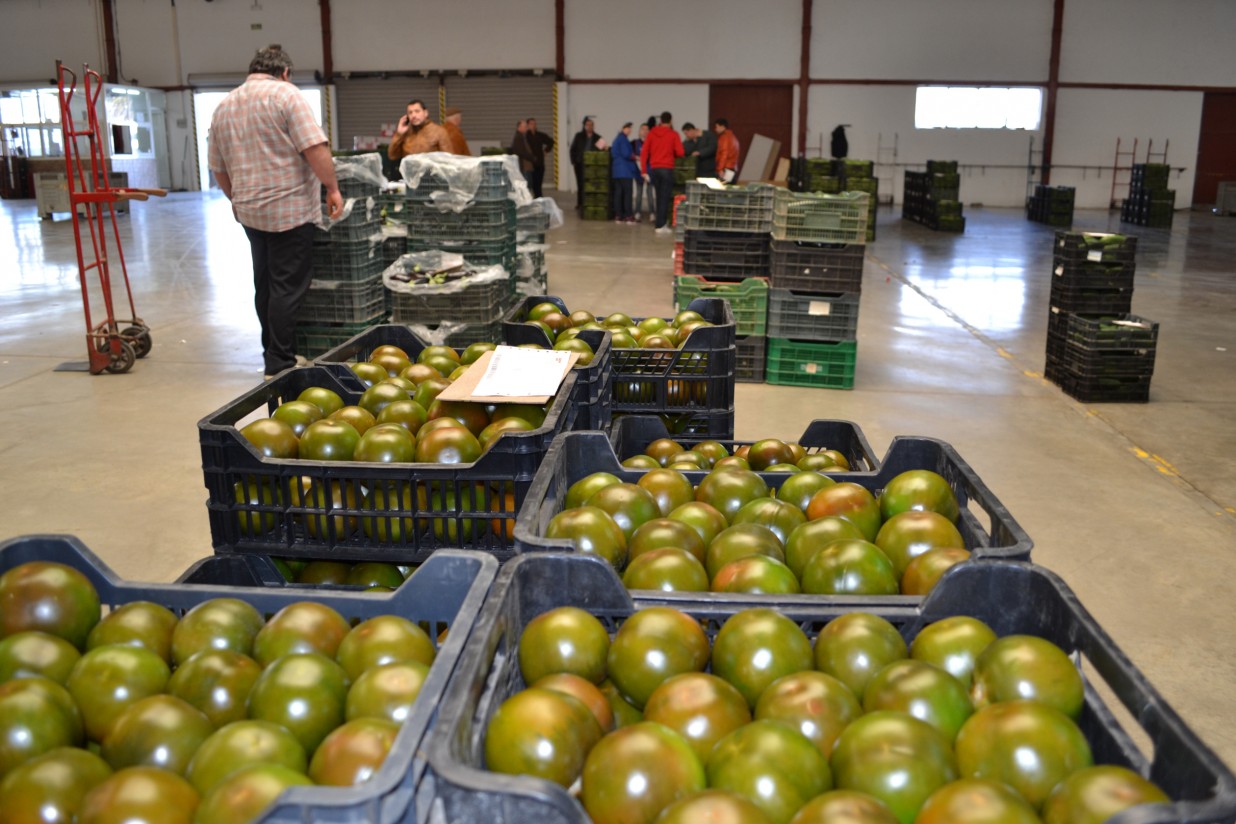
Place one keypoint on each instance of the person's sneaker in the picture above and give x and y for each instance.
(619, 220)
(637, 218)
(665, 230)
(301, 360)
(630, 221)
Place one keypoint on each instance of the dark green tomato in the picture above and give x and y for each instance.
(953, 644)
(449, 445)
(651, 646)
(138, 623)
(140, 795)
(630, 505)
(374, 574)
(799, 489)
(447, 500)
(844, 500)
(581, 316)
(584, 691)
(241, 744)
(36, 653)
(49, 789)
(383, 639)
(329, 440)
(257, 500)
(780, 517)
(817, 705)
(108, 680)
(636, 772)
(297, 415)
(325, 399)
(369, 373)
(490, 434)
(641, 462)
(704, 518)
(573, 344)
(217, 682)
(688, 462)
(35, 719)
(353, 752)
(844, 807)
(669, 487)
(855, 646)
(386, 443)
(324, 572)
(895, 758)
(731, 489)
(732, 462)
(1094, 794)
(925, 571)
(357, 417)
(445, 353)
(593, 531)
(1026, 744)
(408, 414)
(387, 691)
(48, 597)
(624, 713)
(850, 567)
(755, 574)
(1026, 667)
(820, 462)
(160, 731)
(220, 623)
(541, 733)
(922, 690)
(665, 532)
(976, 801)
(788, 469)
(391, 358)
(244, 794)
(668, 569)
(664, 450)
(739, 541)
(378, 396)
(907, 535)
(755, 647)
(807, 540)
(773, 765)
(565, 639)
(918, 489)
(583, 489)
(712, 450)
(702, 708)
(272, 438)
(474, 351)
(713, 807)
(418, 373)
(428, 390)
(305, 626)
(770, 451)
(304, 693)
(472, 415)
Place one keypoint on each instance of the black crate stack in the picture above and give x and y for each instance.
(1150, 202)
(932, 198)
(1052, 205)
(1096, 350)
(597, 199)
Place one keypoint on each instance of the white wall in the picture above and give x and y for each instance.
(655, 38)
(35, 33)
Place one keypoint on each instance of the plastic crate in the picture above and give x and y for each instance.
(342, 302)
(824, 184)
(1096, 364)
(1105, 389)
(1104, 332)
(632, 434)
(812, 267)
(1095, 247)
(494, 184)
(596, 157)
(478, 253)
(725, 255)
(362, 224)
(1090, 300)
(749, 354)
(314, 339)
(699, 425)
(354, 260)
(531, 218)
(936, 167)
(447, 591)
(596, 213)
(849, 168)
(731, 209)
(812, 316)
(471, 504)
(820, 218)
(480, 304)
(479, 221)
(1011, 597)
(394, 246)
(748, 299)
(1093, 274)
(816, 365)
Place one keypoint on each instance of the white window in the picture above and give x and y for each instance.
(977, 107)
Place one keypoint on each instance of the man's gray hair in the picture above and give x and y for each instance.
(272, 60)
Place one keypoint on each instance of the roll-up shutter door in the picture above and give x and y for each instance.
(364, 104)
(491, 105)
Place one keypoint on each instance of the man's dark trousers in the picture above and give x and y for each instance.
(282, 271)
(663, 184)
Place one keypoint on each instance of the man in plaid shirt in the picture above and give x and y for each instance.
(268, 155)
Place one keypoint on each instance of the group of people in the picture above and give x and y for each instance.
(644, 166)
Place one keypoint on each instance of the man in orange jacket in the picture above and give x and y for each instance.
(727, 150)
(661, 149)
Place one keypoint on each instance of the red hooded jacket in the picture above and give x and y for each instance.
(661, 148)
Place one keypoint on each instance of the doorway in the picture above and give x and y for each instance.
(1216, 160)
(751, 109)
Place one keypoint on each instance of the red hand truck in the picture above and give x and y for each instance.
(108, 346)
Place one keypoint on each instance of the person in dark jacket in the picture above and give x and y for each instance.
(624, 168)
(688, 138)
(642, 184)
(539, 144)
(705, 153)
(585, 140)
(519, 148)
(839, 147)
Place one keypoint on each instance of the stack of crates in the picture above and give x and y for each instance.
(483, 232)
(1150, 202)
(684, 173)
(597, 203)
(346, 295)
(1052, 205)
(819, 175)
(1096, 350)
(859, 176)
(932, 198)
(818, 242)
(531, 228)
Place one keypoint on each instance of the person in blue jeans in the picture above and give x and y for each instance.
(643, 186)
(624, 169)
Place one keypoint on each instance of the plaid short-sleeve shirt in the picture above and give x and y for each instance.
(257, 135)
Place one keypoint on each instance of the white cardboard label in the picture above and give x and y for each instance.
(514, 372)
(819, 307)
(1094, 255)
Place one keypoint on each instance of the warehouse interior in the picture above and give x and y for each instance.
(1132, 504)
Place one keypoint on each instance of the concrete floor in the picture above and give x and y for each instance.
(1134, 505)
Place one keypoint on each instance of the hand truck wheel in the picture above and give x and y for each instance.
(123, 360)
(140, 338)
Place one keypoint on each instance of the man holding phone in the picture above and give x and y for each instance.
(417, 134)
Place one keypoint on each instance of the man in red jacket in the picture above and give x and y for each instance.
(661, 149)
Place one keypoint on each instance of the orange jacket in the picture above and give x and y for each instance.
(459, 143)
(727, 151)
(430, 137)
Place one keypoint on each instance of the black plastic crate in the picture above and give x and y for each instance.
(480, 303)
(733, 255)
(1090, 300)
(446, 592)
(1093, 274)
(632, 434)
(749, 359)
(329, 301)
(467, 505)
(479, 221)
(361, 224)
(817, 267)
(354, 260)
(1013, 598)
(1094, 364)
(313, 339)
(1107, 389)
(812, 316)
(1095, 247)
(1104, 332)
(718, 426)
(478, 253)
(942, 167)
(394, 246)
(494, 184)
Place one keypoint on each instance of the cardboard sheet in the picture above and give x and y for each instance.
(509, 369)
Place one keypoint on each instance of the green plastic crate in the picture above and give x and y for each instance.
(816, 365)
(596, 213)
(748, 299)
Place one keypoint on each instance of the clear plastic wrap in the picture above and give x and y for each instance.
(463, 176)
(363, 168)
(458, 275)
